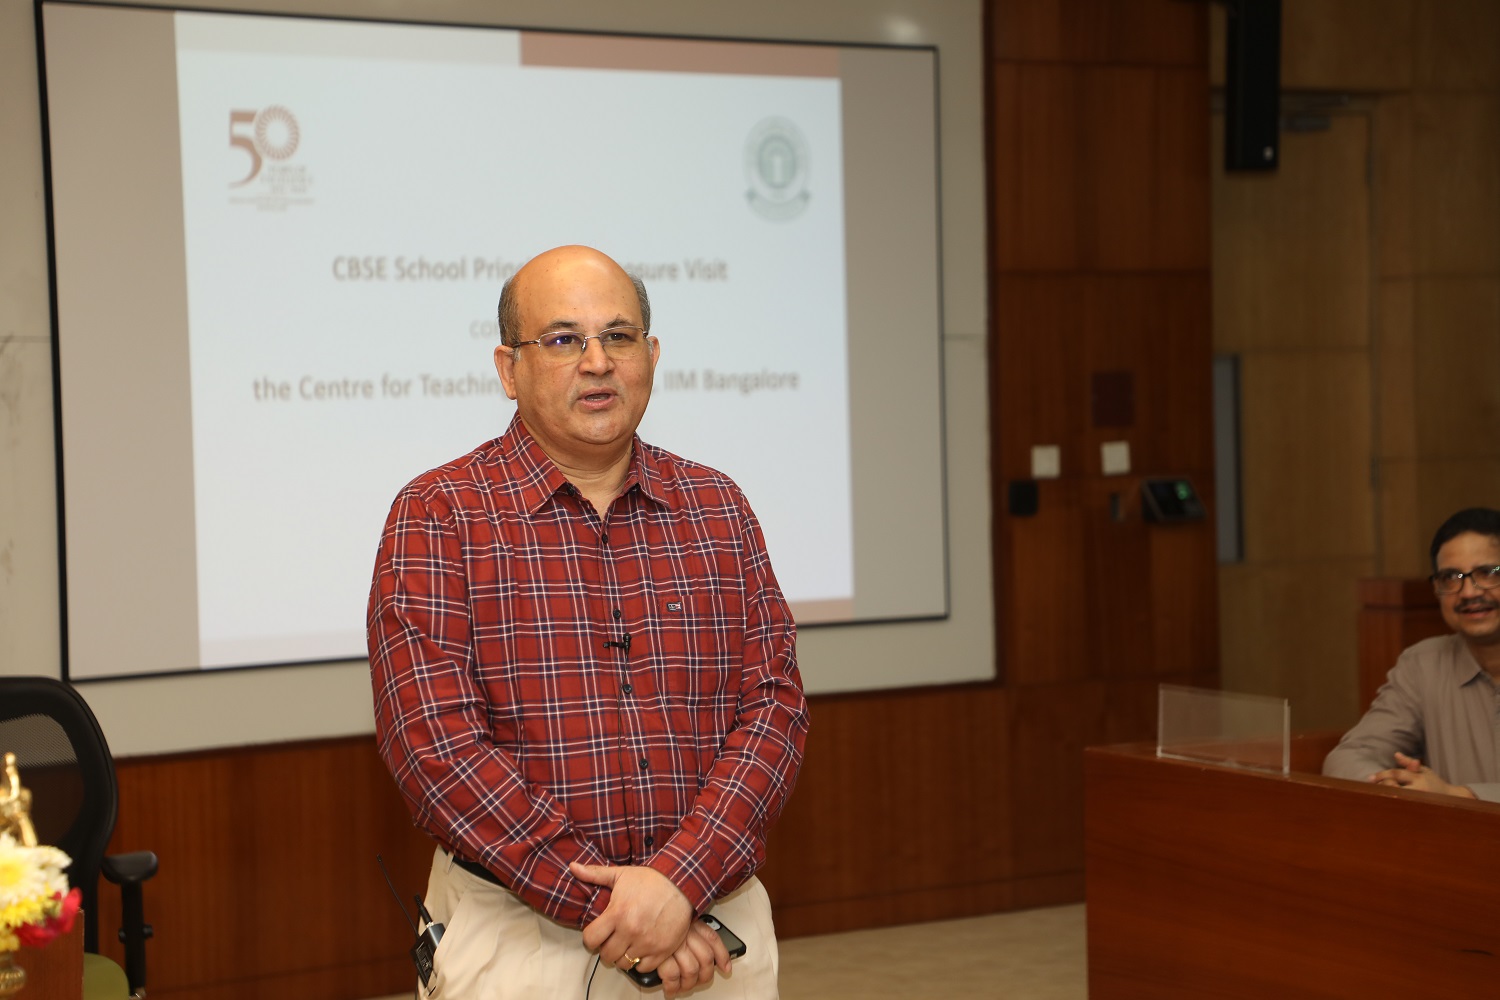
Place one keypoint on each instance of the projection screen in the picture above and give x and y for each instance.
(277, 246)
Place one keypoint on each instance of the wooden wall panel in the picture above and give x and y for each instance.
(1453, 196)
(1293, 252)
(1458, 333)
(1066, 327)
(1100, 216)
(901, 797)
(1097, 598)
(1296, 626)
(1034, 371)
(1115, 119)
(1342, 45)
(268, 871)
(1306, 441)
(1454, 44)
(1179, 354)
(1293, 288)
(1099, 167)
(1395, 222)
(1045, 637)
(1180, 236)
(1157, 32)
(1155, 326)
(1051, 726)
(1456, 169)
(1036, 167)
(1185, 614)
(1117, 594)
(1446, 485)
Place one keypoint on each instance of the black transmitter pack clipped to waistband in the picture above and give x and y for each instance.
(427, 942)
(427, 939)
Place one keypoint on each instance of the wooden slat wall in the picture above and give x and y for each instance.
(1100, 263)
(912, 805)
(268, 884)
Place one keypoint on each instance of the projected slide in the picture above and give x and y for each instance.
(347, 242)
(278, 247)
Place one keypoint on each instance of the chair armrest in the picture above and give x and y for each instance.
(128, 871)
(133, 868)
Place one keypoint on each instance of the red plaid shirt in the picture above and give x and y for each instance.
(553, 687)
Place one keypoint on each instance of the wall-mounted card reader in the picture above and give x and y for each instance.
(1165, 501)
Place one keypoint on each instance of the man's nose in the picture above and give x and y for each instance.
(1468, 587)
(595, 357)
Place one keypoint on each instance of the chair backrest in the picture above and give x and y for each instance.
(65, 761)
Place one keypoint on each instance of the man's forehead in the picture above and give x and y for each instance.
(570, 284)
(570, 322)
(1467, 547)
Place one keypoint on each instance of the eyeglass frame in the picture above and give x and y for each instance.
(1458, 577)
(583, 340)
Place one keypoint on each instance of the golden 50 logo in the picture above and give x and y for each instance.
(268, 134)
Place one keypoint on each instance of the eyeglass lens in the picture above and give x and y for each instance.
(619, 342)
(1451, 581)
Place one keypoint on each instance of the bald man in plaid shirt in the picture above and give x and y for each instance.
(585, 675)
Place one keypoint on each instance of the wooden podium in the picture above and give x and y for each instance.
(1210, 881)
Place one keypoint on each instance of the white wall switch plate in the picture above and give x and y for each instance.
(1046, 461)
(1115, 457)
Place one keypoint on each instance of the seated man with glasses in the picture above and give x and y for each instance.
(1435, 724)
(585, 676)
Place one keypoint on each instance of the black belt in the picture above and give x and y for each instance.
(477, 869)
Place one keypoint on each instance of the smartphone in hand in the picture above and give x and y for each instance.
(732, 944)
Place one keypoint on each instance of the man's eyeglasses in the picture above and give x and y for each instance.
(623, 343)
(1451, 581)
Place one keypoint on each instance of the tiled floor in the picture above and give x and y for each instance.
(1031, 955)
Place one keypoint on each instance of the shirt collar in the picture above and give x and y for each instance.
(537, 479)
(652, 473)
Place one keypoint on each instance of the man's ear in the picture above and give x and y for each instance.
(505, 367)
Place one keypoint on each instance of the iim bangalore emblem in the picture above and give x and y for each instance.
(776, 164)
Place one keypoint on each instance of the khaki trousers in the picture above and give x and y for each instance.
(495, 947)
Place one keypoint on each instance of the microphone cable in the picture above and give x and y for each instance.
(590, 984)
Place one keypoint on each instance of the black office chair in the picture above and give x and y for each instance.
(65, 761)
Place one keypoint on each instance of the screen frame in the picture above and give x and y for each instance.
(940, 345)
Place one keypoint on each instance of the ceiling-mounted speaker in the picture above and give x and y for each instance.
(1252, 85)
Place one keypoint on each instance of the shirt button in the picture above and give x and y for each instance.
(650, 840)
(627, 687)
(616, 614)
(645, 763)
